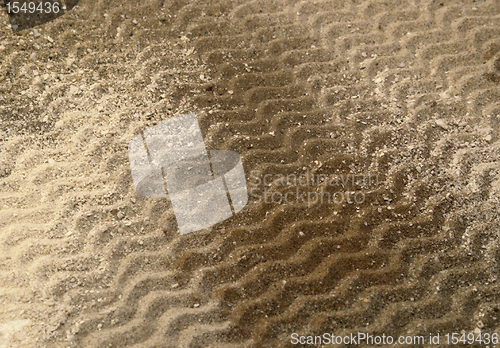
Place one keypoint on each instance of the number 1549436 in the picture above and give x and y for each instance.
(32, 7)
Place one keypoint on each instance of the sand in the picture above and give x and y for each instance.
(404, 91)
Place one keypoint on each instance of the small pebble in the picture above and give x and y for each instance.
(442, 123)
(33, 56)
(37, 81)
(120, 215)
(222, 231)
(73, 90)
(36, 33)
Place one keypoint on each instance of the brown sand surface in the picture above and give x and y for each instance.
(407, 91)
